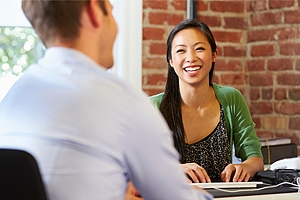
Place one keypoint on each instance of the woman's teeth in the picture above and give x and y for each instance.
(192, 69)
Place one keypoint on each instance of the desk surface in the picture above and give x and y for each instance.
(281, 196)
(261, 190)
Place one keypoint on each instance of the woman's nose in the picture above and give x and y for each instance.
(191, 56)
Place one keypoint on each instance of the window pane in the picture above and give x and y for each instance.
(19, 48)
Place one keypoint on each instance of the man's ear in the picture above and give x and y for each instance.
(94, 12)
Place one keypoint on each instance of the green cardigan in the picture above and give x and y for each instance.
(239, 123)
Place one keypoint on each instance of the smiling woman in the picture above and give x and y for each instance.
(206, 119)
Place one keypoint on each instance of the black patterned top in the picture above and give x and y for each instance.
(213, 152)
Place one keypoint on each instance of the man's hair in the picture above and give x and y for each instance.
(60, 18)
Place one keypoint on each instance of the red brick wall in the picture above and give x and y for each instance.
(259, 54)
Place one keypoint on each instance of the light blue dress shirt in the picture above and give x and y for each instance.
(90, 132)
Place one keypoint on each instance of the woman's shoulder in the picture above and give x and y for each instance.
(226, 90)
(157, 96)
(156, 99)
(228, 95)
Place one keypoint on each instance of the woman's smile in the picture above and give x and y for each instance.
(192, 70)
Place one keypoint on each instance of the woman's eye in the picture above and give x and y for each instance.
(179, 51)
(200, 49)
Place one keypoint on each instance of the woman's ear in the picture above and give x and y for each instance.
(215, 55)
(171, 62)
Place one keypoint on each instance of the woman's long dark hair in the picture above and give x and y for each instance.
(171, 102)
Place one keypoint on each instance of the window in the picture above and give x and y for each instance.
(21, 47)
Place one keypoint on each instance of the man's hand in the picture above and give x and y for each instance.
(132, 193)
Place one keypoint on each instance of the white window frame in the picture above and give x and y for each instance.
(128, 46)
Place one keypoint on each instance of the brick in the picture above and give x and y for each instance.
(158, 48)
(228, 65)
(259, 19)
(236, 23)
(153, 34)
(215, 79)
(267, 94)
(165, 18)
(236, 51)
(280, 94)
(157, 4)
(290, 48)
(157, 63)
(287, 108)
(220, 50)
(275, 122)
(258, 35)
(292, 16)
(284, 33)
(256, 5)
(233, 79)
(201, 5)
(179, 4)
(294, 94)
(257, 122)
(265, 134)
(155, 79)
(256, 65)
(254, 94)
(298, 64)
(262, 50)
(227, 6)
(288, 79)
(211, 21)
(261, 79)
(294, 123)
(228, 36)
(261, 108)
(280, 64)
(274, 4)
(271, 34)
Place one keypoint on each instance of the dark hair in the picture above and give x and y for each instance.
(171, 102)
(56, 18)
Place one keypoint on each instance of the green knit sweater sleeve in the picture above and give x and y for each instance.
(156, 100)
(239, 122)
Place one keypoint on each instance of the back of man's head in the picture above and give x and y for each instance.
(51, 19)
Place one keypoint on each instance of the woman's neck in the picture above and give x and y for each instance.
(196, 96)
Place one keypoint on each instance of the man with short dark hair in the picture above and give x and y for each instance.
(90, 132)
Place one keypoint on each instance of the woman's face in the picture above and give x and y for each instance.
(192, 57)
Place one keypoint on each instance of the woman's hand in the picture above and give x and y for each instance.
(132, 193)
(196, 173)
(242, 172)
